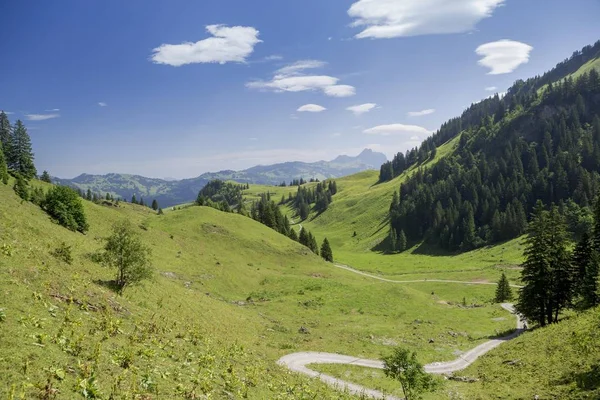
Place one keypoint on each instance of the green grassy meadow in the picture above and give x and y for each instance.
(228, 299)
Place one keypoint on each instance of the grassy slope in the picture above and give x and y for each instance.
(558, 362)
(221, 279)
(361, 206)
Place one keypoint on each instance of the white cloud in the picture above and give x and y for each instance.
(102, 104)
(292, 78)
(383, 19)
(503, 56)
(315, 108)
(300, 66)
(41, 117)
(421, 113)
(228, 44)
(53, 110)
(7, 112)
(362, 108)
(396, 129)
(491, 88)
(274, 57)
(340, 91)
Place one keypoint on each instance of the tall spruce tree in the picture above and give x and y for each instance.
(6, 139)
(21, 152)
(534, 296)
(503, 290)
(326, 252)
(3, 167)
(393, 239)
(561, 268)
(402, 244)
(583, 257)
(154, 205)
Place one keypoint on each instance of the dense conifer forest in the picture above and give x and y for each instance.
(541, 141)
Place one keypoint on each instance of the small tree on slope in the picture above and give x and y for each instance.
(125, 252)
(326, 252)
(503, 291)
(403, 366)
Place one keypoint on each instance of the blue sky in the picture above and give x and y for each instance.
(174, 89)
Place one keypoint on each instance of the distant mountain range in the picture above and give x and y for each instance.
(171, 192)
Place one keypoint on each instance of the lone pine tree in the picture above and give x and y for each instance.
(503, 290)
(326, 252)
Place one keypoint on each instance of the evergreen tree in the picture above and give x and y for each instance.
(293, 235)
(547, 271)
(3, 167)
(154, 205)
(160, 211)
(6, 139)
(402, 245)
(326, 252)
(20, 187)
(393, 239)
(503, 290)
(303, 237)
(585, 271)
(88, 195)
(46, 177)
(133, 199)
(533, 297)
(22, 154)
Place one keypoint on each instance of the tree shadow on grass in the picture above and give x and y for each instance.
(586, 380)
(109, 284)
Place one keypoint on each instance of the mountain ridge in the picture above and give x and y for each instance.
(172, 192)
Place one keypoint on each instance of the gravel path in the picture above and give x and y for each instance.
(297, 362)
(347, 268)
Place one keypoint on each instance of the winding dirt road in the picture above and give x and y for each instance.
(298, 362)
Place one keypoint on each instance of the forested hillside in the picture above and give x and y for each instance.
(539, 142)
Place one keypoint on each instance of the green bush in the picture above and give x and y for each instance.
(64, 205)
(63, 253)
(21, 188)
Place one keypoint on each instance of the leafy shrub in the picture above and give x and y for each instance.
(64, 205)
(21, 188)
(6, 249)
(63, 253)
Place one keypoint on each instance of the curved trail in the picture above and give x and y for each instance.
(298, 362)
(347, 268)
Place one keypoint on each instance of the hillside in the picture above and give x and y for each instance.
(229, 297)
(172, 192)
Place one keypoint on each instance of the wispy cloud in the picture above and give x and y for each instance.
(314, 108)
(397, 129)
(503, 56)
(383, 19)
(8, 112)
(292, 78)
(102, 104)
(491, 88)
(53, 110)
(227, 44)
(41, 117)
(421, 113)
(361, 108)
